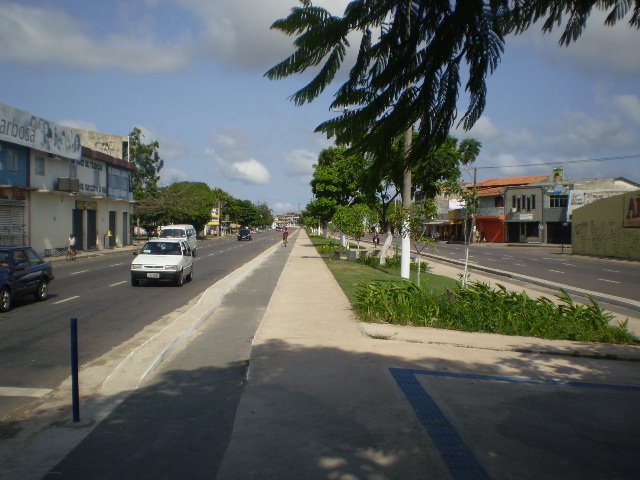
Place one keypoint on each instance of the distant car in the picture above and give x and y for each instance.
(163, 259)
(22, 272)
(244, 234)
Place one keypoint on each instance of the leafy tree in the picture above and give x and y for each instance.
(265, 216)
(411, 58)
(145, 178)
(243, 212)
(416, 219)
(353, 220)
(184, 202)
(337, 179)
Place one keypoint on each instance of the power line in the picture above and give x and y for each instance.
(562, 162)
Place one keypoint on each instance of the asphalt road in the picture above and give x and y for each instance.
(547, 263)
(34, 336)
(608, 276)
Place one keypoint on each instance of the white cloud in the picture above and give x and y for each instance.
(38, 35)
(79, 124)
(250, 172)
(280, 208)
(300, 164)
(169, 176)
(601, 50)
(629, 105)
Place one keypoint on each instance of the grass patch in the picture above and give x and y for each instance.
(378, 294)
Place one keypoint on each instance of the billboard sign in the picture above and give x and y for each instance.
(23, 128)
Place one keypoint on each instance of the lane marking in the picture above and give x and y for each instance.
(116, 264)
(605, 280)
(119, 283)
(545, 258)
(78, 272)
(556, 271)
(66, 300)
(23, 392)
(568, 265)
(520, 264)
(610, 271)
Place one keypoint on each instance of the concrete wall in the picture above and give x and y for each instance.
(598, 230)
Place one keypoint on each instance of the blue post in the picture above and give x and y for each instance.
(75, 393)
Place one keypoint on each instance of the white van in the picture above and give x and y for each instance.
(186, 232)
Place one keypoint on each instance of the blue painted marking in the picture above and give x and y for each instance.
(458, 457)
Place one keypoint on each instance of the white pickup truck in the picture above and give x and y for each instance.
(163, 259)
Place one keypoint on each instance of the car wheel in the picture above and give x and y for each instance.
(43, 290)
(190, 276)
(5, 299)
(194, 252)
(134, 282)
(180, 279)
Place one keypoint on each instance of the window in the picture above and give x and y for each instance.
(518, 203)
(12, 160)
(528, 204)
(558, 201)
(73, 171)
(96, 178)
(39, 166)
(533, 202)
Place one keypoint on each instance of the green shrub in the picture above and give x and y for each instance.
(479, 308)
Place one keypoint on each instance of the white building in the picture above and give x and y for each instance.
(51, 185)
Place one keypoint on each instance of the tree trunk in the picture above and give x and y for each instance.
(386, 245)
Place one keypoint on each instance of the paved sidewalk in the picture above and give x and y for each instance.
(328, 397)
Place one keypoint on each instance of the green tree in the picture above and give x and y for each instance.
(183, 202)
(354, 220)
(265, 215)
(336, 181)
(243, 212)
(145, 178)
(411, 60)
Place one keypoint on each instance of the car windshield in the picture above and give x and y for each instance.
(244, 231)
(161, 248)
(172, 233)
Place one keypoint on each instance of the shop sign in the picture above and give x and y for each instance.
(23, 128)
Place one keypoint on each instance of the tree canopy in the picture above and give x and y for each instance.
(411, 60)
(144, 180)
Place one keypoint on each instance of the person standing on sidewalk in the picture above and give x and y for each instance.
(285, 236)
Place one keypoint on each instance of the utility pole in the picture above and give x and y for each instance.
(405, 257)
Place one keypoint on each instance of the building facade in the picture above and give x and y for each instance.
(51, 185)
(608, 227)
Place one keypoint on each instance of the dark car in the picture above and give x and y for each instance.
(244, 234)
(22, 272)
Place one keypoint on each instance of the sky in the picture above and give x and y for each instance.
(190, 74)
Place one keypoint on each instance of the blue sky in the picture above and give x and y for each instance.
(189, 73)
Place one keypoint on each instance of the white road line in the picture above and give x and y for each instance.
(119, 283)
(116, 264)
(66, 300)
(545, 258)
(23, 392)
(605, 280)
(520, 264)
(78, 272)
(568, 265)
(610, 271)
(556, 271)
